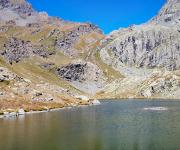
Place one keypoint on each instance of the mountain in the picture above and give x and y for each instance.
(148, 56)
(169, 14)
(47, 62)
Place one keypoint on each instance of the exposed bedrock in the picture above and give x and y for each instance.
(17, 49)
(67, 40)
(80, 71)
(144, 46)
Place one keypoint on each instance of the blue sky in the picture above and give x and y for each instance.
(107, 14)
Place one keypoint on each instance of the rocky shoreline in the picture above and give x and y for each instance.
(22, 112)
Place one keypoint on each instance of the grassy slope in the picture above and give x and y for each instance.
(30, 68)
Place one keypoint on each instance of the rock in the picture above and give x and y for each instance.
(27, 80)
(3, 29)
(11, 23)
(20, 6)
(80, 71)
(4, 3)
(37, 94)
(12, 114)
(85, 76)
(42, 52)
(169, 14)
(82, 97)
(48, 65)
(47, 109)
(159, 83)
(16, 50)
(146, 93)
(72, 72)
(6, 114)
(155, 44)
(149, 45)
(21, 112)
(6, 75)
(48, 99)
(43, 98)
(96, 102)
(70, 38)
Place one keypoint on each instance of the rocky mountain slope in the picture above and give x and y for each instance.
(138, 52)
(169, 14)
(47, 61)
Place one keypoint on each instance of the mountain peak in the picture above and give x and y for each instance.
(169, 14)
(10, 3)
(19, 6)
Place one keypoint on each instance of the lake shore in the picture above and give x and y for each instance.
(9, 113)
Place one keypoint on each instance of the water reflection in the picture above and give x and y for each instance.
(110, 126)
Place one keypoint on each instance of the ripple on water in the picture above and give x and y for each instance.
(156, 108)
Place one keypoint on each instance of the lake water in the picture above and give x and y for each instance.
(114, 125)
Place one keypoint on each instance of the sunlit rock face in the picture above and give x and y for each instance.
(66, 44)
(22, 14)
(154, 44)
(19, 6)
(80, 71)
(83, 75)
(140, 50)
(169, 14)
(146, 46)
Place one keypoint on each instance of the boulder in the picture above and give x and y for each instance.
(6, 113)
(13, 114)
(96, 102)
(21, 112)
(82, 97)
